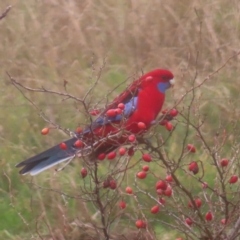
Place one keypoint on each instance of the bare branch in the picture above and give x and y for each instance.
(234, 230)
(4, 14)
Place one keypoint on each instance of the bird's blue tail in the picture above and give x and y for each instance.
(48, 158)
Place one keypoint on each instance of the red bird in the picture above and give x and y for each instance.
(142, 101)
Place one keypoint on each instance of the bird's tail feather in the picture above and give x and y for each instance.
(48, 158)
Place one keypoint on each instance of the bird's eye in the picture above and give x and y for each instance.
(164, 78)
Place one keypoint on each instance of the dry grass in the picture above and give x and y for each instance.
(44, 42)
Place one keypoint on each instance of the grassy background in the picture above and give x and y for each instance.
(45, 42)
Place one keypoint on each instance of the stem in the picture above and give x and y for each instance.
(99, 203)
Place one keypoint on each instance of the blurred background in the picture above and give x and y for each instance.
(43, 43)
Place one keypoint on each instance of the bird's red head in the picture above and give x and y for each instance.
(162, 78)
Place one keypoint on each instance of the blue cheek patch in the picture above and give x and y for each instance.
(162, 87)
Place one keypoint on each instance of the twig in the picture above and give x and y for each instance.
(41, 113)
(234, 230)
(4, 14)
(207, 77)
(100, 204)
(43, 90)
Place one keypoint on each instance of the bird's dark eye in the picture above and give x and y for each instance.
(164, 78)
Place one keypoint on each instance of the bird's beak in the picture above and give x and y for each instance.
(172, 81)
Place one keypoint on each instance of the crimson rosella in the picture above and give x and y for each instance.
(142, 101)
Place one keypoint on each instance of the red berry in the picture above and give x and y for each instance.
(163, 122)
(122, 205)
(193, 167)
(223, 221)
(168, 191)
(118, 111)
(121, 106)
(198, 202)
(224, 162)
(145, 168)
(147, 157)
(164, 111)
(131, 138)
(159, 191)
(169, 178)
(122, 151)
(45, 131)
(233, 179)
(140, 224)
(141, 125)
(111, 155)
(112, 184)
(78, 143)
(162, 201)
(129, 190)
(155, 209)
(84, 172)
(174, 112)
(78, 130)
(111, 113)
(204, 185)
(63, 146)
(209, 216)
(106, 184)
(141, 175)
(94, 112)
(191, 148)
(101, 156)
(161, 184)
(169, 126)
(189, 221)
(131, 151)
